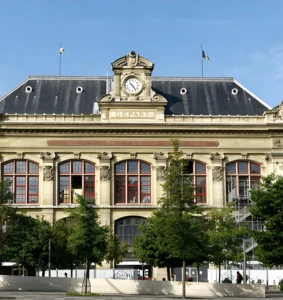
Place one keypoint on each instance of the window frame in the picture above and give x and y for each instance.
(126, 174)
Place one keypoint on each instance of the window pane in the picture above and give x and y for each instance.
(8, 168)
(243, 167)
(200, 168)
(77, 167)
(188, 167)
(145, 199)
(132, 180)
(243, 186)
(64, 186)
(145, 168)
(231, 168)
(89, 168)
(20, 167)
(132, 167)
(89, 187)
(255, 169)
(33, 168)
(120, 168)
(64, 168)
(255, 182)
(120, 189)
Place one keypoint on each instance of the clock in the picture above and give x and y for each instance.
(133, 85)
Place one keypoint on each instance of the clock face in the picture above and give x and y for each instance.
(133, 85)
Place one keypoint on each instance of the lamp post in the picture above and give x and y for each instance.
(49, 257)
(244, 263)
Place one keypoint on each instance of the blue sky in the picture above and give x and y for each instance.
(242, 37)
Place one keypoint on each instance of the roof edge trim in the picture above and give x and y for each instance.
(252, 94)
(23, 82)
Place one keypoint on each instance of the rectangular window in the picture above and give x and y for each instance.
(20, 167)
(132, 189)
(200, 168)
(243, 186)
(243, 167)
(64, 189)
(231, 168)
(145, 189)
(20, 189)
(33, 168)
(255, 169)
(89, 168)
(120, 189)
(201, 189)
(132, 167)
(89, 187)
(255, 182)
(76, 167)
(145, 168)
(33, 189)
(8, 168)
(120, 168)
(64, 168)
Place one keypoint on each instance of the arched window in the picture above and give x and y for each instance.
(241, 176)
(127, 229)
(197, 172)
(76, 177)
(132, 182)
(23, 175)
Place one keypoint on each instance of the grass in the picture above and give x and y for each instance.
(73, 293)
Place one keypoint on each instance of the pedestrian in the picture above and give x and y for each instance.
(66, 275)
(239, 278)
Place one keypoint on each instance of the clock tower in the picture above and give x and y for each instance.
(132, 92)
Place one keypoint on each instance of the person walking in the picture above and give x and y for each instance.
(239, 277)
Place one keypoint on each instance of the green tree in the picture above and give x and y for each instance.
(7, 212)
(61, 256)
(181, 216)
(268, 207)
(28, 244)
(116, 250)
(225, 239)
(88, 240)
(151, 247)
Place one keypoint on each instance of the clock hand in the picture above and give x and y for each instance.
(133, 86)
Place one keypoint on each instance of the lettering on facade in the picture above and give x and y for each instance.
(133, 114)
(71, 143)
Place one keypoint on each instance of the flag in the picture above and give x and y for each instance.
(62, 50)
(204, 55)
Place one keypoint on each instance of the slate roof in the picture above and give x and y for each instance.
(196, 96)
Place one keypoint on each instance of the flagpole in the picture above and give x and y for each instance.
(201, 61)
(60, 60)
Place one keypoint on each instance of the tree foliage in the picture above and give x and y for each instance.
(88, 239)
(225, 239)
(116, 250)
(268, 207)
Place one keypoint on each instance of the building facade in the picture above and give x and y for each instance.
(108, 138)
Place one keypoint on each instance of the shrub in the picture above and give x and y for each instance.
(74, 293)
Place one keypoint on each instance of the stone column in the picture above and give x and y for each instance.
(161, 169)
(218, 179)
(117, 82)
(104, 171)
(48, 190)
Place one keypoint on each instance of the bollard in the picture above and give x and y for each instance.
(274, 285)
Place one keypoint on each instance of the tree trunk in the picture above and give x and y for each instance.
(184, 280)
(168, 273)
(197, 273)
(86, 274)
(219, 273)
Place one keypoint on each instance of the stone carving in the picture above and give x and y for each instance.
(147, 73)
(20, 155)
(161, 173)
(133, 155)
(77, 155)
(47, 155)
(105, 173)
(216, 155)
(278, 116)
(48, 173)
(267, 156)
(132, 59)
(117, 72)
(104, 155)
(217, 173)
(160, 156)
(278, 143)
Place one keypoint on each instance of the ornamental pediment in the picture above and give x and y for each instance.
(132, 60)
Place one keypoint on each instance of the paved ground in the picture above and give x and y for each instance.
(18, 295)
